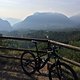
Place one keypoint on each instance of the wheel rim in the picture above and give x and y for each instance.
(28, 63)
(62, 72)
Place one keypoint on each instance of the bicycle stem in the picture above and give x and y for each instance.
(36, 49)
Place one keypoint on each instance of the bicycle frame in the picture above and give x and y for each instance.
(50, 53)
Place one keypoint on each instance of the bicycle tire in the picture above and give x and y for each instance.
(71, 73)
(28, 62)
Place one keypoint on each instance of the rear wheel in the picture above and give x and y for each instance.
(28, 62)
(62, 71)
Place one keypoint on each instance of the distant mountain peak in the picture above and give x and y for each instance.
(45, 20)
(48, 13)
(42, 13)
(12, 21)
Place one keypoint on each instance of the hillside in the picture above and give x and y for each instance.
(76, 19)
(5, 25)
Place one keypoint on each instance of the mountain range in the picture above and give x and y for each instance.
(42, 21)
(47, 21)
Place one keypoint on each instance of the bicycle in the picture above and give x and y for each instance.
(57, 70)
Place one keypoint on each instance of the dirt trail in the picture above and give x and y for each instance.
(13, 71)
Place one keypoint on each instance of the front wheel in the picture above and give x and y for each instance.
(28, 62)
(62, 71)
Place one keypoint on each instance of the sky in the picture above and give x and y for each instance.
(23, 8)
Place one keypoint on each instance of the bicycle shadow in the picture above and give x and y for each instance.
(13, 71)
